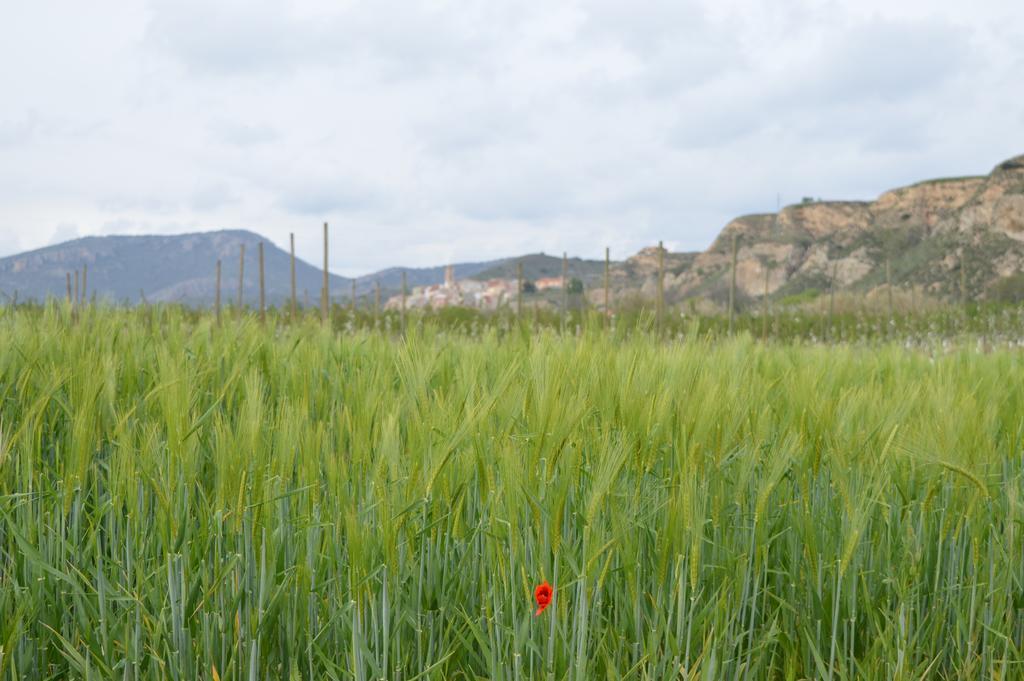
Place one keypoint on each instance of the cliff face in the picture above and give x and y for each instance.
(925, 231)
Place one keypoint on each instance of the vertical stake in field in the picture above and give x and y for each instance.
(888, 287)
(660, 310)
(263, 294)
(519, 291)
(963, 283)
(325, 291)
(376, 301)
(565, 289)
(832, 299)
(732, 283)
(352, 303)
(607, 285)
(292, 239)
(764, 308)
(241, 278)
(71, 301)
(216, 305)
(403, 300)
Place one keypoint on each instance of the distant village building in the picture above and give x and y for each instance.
(545, 283)
(484, 295)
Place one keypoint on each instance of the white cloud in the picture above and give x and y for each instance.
(65, 231)
(435, 130)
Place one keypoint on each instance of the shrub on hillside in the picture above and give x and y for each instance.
(1008, 289)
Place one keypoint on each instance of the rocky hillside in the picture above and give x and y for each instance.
(926, 232)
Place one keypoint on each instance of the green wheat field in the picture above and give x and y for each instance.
(185, 500)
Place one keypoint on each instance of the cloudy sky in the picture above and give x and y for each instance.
(428, 132)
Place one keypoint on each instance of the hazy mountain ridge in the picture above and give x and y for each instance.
(164, 268)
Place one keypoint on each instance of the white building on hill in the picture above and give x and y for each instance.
(484, 295)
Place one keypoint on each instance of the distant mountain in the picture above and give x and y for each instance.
(177, 268)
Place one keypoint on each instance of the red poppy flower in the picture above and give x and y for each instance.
(543, 595)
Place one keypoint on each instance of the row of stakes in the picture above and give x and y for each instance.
(77, 295)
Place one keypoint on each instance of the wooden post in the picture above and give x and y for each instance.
(78, 295)
(241, 277)
(888, 286)
(263, 293)
(607, 285)
(217, 296)
(519, 291)
(764, 307)
(326, 292)
(376, 301)
(352, 303)
(68, 275)
(565, 289)
(660, 311)
(403, 300)
(963, 282)
(732, 283)
(292, 238)
(832, 299)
